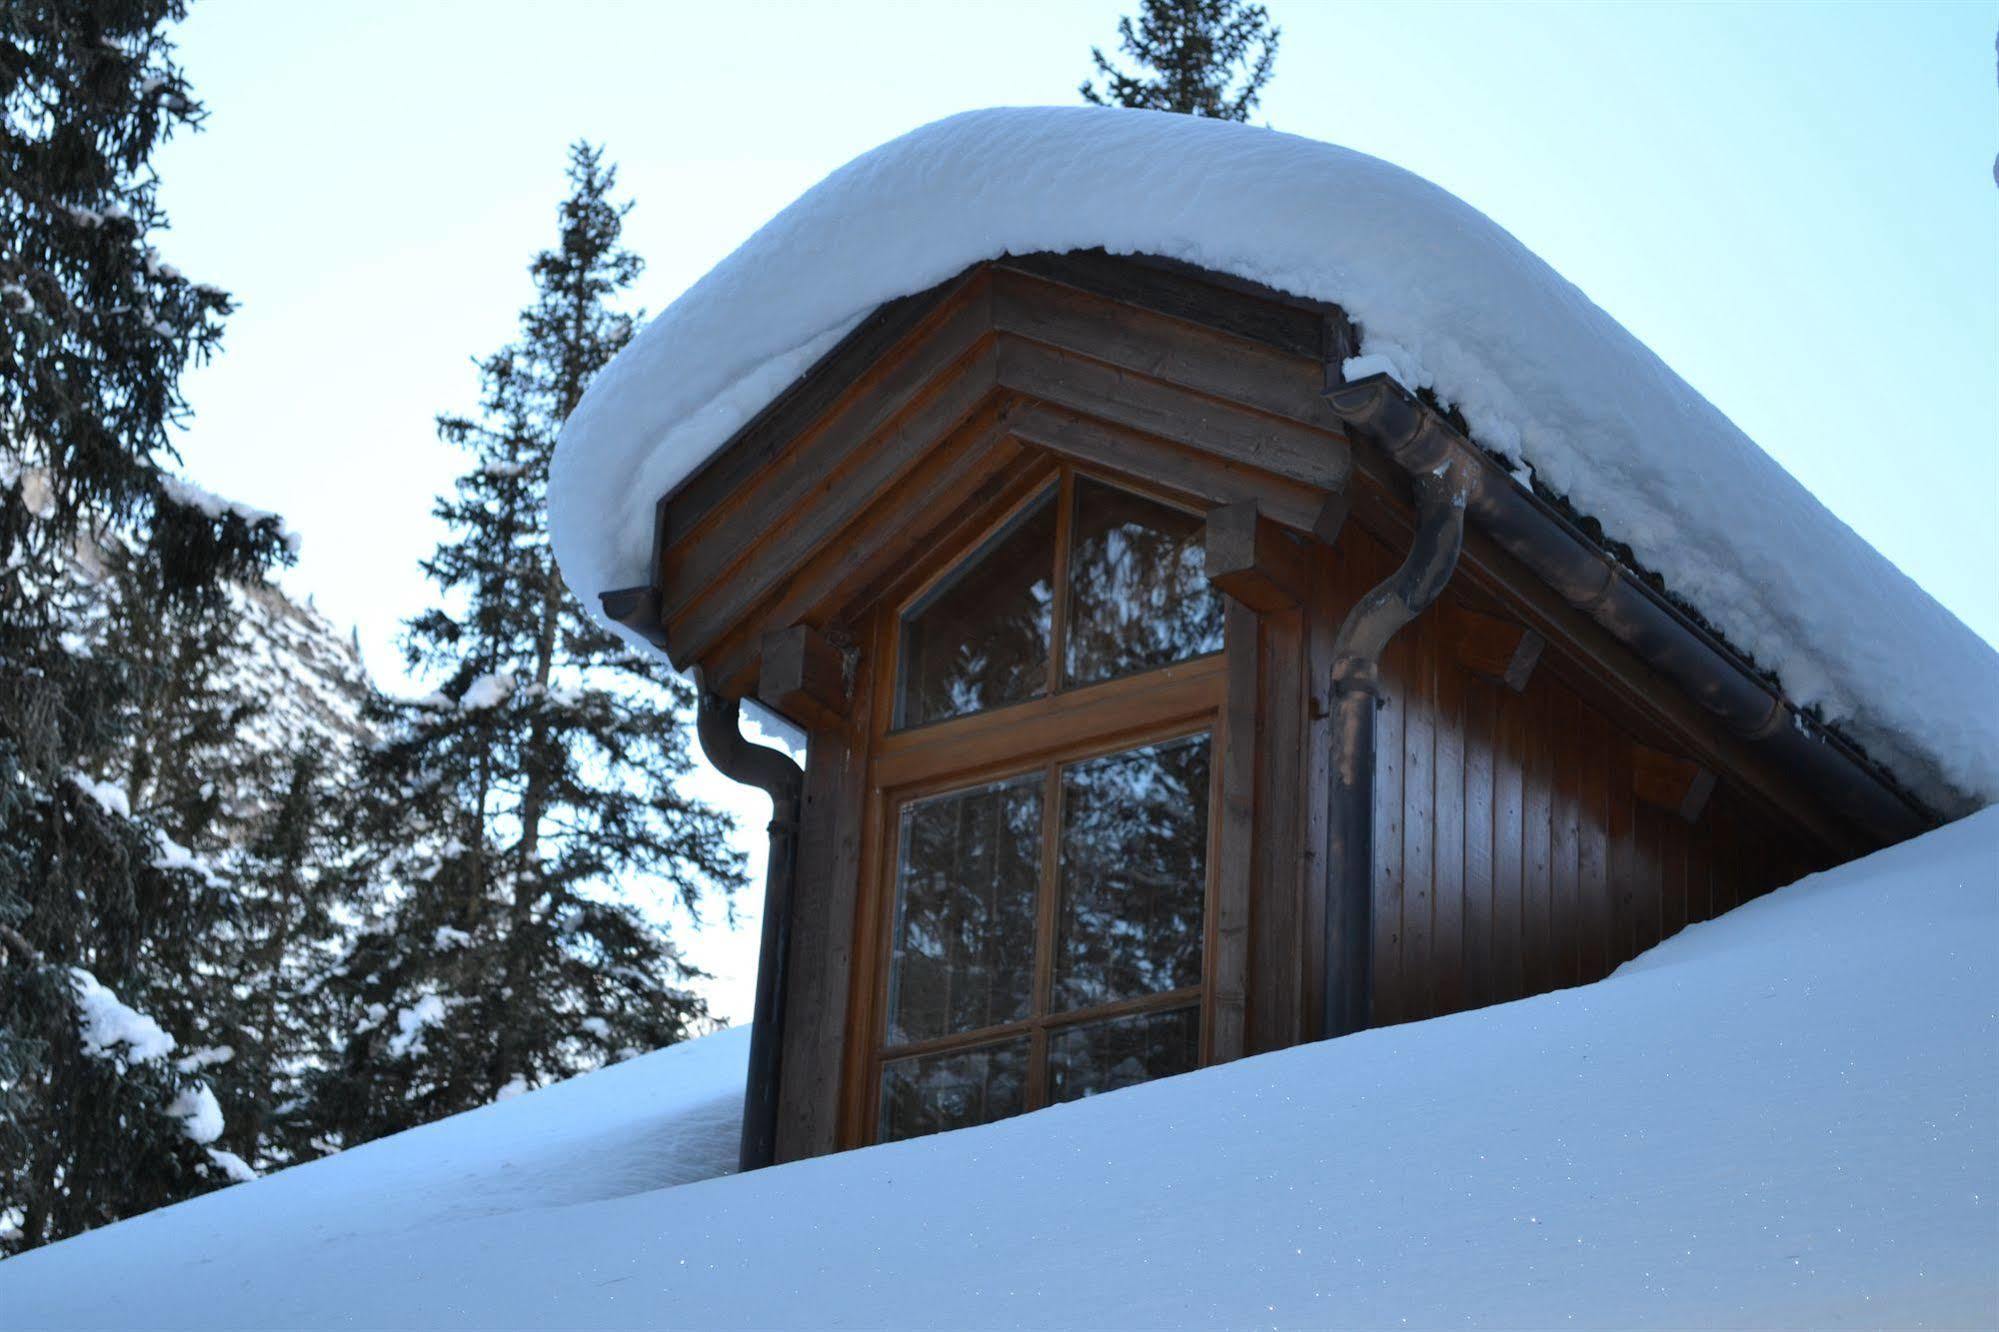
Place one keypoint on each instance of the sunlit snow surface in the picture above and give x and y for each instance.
(1786, 1117)
(1445, 296)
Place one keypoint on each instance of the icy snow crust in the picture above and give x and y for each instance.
(1444, 296)
(1788, 1117)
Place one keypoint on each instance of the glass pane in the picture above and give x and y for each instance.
(964, 910)
(1138, 587)
(1097, 1057)
(1134, 873)
(931, 1093)
(981, 639)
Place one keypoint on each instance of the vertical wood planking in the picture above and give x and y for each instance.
(1419, 791)
(1447, 900)
(1326, 602)
(1565, 716)
(1700, 869)
(1675, 848)
(1621, 832)
(1509, 847)
(1539, 968)
(1276, 912)
(1235, 864)
(1390, 801)
(827, 897)
(1653, 835)
(1727, 861)
(1480, 788)
(1593, 816)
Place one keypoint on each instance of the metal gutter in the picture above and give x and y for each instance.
(1417, 437)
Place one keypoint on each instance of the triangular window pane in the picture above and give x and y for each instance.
(981, 638)
(1139, 595)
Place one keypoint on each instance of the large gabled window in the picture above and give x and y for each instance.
(1047, 923)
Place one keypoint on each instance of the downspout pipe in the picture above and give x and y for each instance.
(718, 723)
(1441, 491)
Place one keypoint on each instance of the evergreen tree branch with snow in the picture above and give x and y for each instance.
(512, 812)
(1197, 57)
(107, 911)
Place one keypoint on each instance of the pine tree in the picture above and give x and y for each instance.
(512, 808)
(1198, 57)
(288, 935)
(102, 910)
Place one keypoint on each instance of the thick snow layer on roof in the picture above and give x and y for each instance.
(1444, 296)
(1788, 1117)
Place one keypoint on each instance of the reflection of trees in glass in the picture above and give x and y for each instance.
(981, 640)
(931, 1093)
(1133, 873)
(964, 928)
(1093, 1057)
(1138, 587)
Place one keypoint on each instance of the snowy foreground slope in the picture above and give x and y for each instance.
(1446, 299)
(1789, 1116)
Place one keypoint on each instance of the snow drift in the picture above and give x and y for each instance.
(1785, 1117)
(1446, 299)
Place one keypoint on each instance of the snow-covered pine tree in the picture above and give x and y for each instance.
(514, 810)
(294, 905)
(1198, 57)
(101, 910)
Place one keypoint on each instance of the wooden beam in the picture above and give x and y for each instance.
(877, 547)
(1494, 648)
(1331, 519)
(880, 424)
(1670, 782)
(1222, 428)
(714, 587)
(805, 677)
(1089, 440)
(1254, 560)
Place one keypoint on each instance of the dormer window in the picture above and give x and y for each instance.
(1048, 904)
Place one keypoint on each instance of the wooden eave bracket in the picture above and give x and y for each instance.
(1495, 648)
(1253, 559)
(1669, 782)
(805, 677)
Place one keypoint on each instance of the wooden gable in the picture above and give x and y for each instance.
(1551, 796)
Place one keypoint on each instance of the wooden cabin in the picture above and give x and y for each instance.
(1170, 699)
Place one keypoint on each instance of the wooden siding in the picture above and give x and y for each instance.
(1512, 852)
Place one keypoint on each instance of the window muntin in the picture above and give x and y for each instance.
(1092, 1057)
(1133, 585)
(930, 1093)
(965, 911)
(1068, 1007)
(982, 638)
(1139, 596)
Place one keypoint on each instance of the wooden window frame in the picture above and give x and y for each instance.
(1061, 727)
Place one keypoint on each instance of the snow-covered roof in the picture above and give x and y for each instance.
(1787, 1117)
(1445, 298)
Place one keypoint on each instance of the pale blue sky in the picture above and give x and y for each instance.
(1792, 204)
